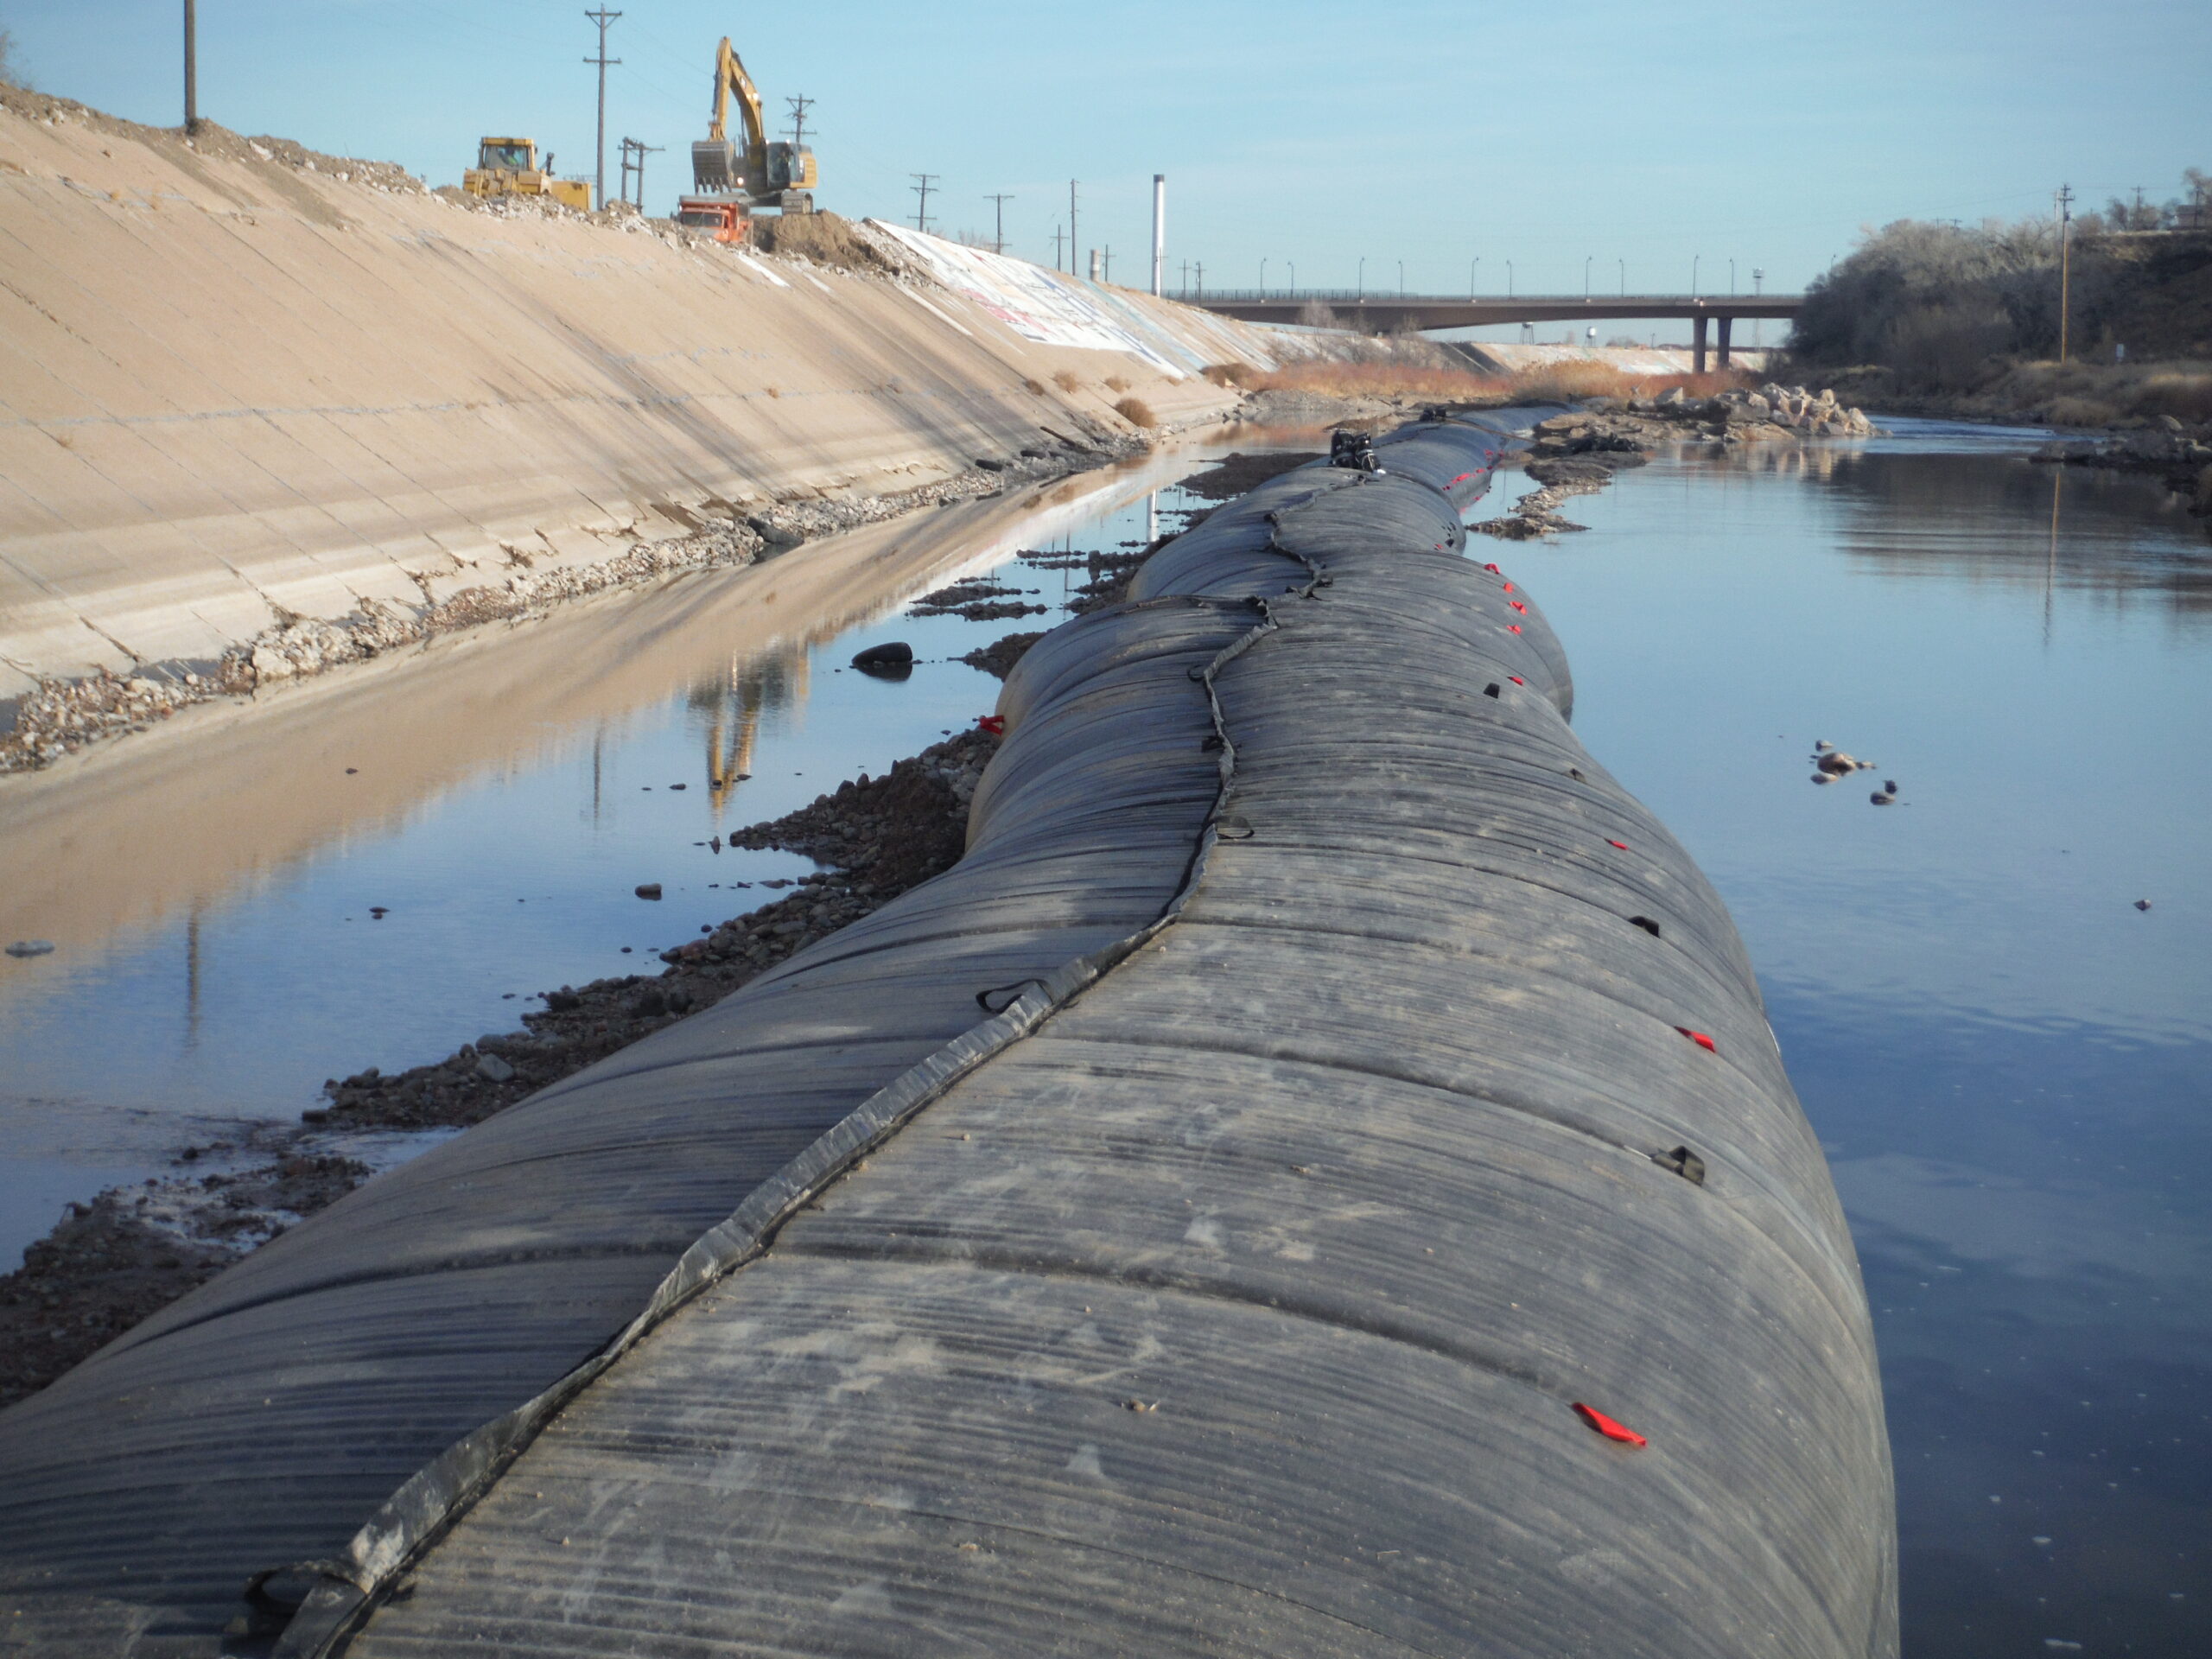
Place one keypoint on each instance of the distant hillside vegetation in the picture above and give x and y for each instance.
(1939, 309)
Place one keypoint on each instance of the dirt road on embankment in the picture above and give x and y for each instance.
(267, 410)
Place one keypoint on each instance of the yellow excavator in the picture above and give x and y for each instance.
(729, 183)
(508, 167)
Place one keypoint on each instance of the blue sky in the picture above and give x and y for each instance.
(1305, 131)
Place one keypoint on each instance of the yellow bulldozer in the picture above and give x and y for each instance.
(729, 182)
(508, 167)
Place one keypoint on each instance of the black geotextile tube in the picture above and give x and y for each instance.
(1380, 1088)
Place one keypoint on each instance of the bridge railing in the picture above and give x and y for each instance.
(1371, 296)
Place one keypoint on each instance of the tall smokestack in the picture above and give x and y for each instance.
(1159, 231)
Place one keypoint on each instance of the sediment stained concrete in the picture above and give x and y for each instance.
(239, 389)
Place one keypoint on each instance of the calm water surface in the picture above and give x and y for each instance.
(2010, 1064)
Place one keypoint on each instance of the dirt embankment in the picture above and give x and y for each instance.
(356, 411)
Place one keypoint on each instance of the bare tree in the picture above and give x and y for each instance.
(11, 73)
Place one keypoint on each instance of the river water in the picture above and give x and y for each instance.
(2009, 1062)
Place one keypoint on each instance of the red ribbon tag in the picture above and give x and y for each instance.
(1622, 845)
(995, 724)
(1697, 1037)
(1518, 605)
(1513, 627)
(1606, 1427)
(1509, 586)
(1516, 679)
(1492, 568)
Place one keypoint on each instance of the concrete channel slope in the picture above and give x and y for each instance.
(241, 385)
(1241, 1208)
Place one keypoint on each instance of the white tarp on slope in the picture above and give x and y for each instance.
(1035, 303)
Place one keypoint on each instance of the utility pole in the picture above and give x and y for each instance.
(1109, 251)
(1056, 247)
(191, 67)
(1185, 291)
(998, 240)
(603, 17)
(640, 150)
(1200, 267)
(2065, 245)
(1072, 242)
(799, 105)
(922, 181)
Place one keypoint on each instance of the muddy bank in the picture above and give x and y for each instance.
(1577, 453)
(123, 1255)
(2180, 456)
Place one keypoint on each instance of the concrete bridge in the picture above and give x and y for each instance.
(1380, 314)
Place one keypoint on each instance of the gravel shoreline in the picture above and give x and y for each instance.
(130, 1251)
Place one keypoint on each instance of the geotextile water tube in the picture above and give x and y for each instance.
(1314, 1178)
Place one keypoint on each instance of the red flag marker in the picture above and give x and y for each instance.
(995, 724)
(1697, 1037)
(1606, 1427)
(1492, 568)
(1513, 627)
(1622, 845)
(1516, 679)
(1509, 586)
(1518, 605)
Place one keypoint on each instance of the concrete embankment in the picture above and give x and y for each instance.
(250, 393)
(1313, 1178)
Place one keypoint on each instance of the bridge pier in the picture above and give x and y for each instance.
(1724, 321)
(1697, 343)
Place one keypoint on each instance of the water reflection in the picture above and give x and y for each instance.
(734, 703)
(2008, 1063)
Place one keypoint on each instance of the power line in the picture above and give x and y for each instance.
(921, 187)
(998, 241)
(800, 104)
(603, 17)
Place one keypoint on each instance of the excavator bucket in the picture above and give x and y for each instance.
(714, 165)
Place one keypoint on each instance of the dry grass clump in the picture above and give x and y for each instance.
(1115, 383)
(1136, 412)
(1066, 381)
(1232, 374)
(2081, 411)
(1033, 387)
(2097, 394)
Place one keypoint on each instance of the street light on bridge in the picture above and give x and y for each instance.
(1624, 279)
(1508, 279)
(1587, 261)
(1693, 262)
(1732, 279)
(1402, 279)
(1263, 279)
(1472, 264)
(1360, 293)
(1293, 263)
